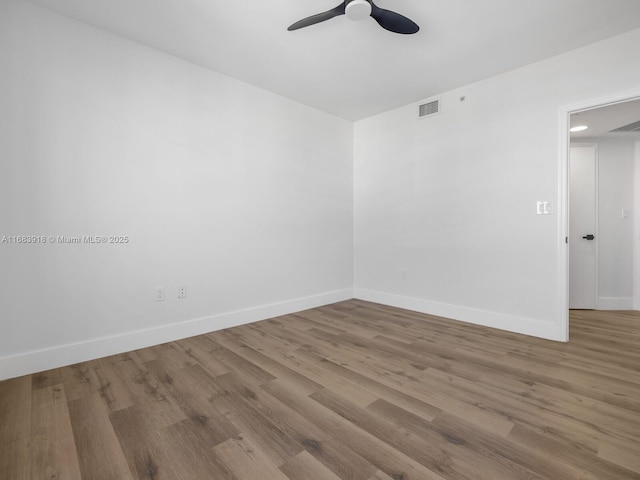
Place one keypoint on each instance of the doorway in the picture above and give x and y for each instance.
(609, 256)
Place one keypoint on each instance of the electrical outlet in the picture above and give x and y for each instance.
(160, 294)
(182, 291)
(403, 274)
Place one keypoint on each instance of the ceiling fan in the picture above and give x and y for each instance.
(359, 9)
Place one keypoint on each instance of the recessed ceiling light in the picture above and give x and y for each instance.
(578, 128)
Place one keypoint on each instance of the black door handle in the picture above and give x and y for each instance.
(589, 237)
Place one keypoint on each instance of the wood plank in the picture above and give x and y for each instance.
(521, 409)
(53, 449)
(303, 322)
(546, 451)
(80, 380)
(378, 389)
(196, 393)
(235, 343)
(236, 403)
(112, 387)
(140, 444)
(250, 372)
(305, 467)
(189, 449)
(319, 376)
(380, 476)
(319, 443)
(15, 428)
(410, 385)
(407, 433)
(521, 462)
(245, 459)
(98, 447)
(143, 389)
(379, 453)
(146, 354)
(48, 378)
(622, 454)
(201, 353)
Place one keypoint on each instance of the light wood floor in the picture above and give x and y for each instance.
(351, 391)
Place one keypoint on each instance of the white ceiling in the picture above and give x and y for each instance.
(602, 120)
(357, 69)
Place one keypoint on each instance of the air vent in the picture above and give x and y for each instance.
(632, 127)
(431, 108)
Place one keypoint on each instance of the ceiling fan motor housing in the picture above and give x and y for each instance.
(358, 9)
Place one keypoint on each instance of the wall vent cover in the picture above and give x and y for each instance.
(431, 108)
(632, 127)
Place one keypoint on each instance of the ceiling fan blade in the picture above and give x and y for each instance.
(320, 17)
(392, 21)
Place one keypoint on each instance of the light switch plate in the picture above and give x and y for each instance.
(544, 207)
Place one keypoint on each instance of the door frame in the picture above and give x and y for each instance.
(596, 230)
(564, 143)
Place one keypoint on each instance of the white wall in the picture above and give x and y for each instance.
(242, 195)
(615, 234)
(451, 199)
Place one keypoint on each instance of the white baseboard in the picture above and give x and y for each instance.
(61, 355)
(511, 323)
(614, 303)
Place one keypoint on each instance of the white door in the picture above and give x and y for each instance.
(582, 227)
